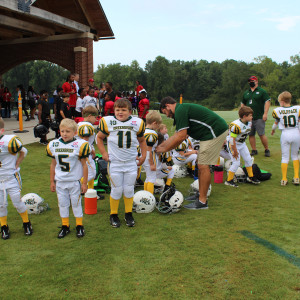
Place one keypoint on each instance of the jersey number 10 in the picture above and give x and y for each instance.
(289, 121)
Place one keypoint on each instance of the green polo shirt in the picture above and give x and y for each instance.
(201, 123)
(256, 100)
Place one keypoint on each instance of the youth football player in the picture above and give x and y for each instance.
(287, 119)
(86, 132)
(153, 120)
(68, 166)
(238, 132)
(123, 132)
(12, 153)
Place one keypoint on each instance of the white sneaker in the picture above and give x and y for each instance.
(284, 182)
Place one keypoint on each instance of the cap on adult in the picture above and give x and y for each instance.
(252, 78)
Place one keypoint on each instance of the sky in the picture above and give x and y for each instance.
(195, 29)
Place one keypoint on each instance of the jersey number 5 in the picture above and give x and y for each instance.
(64, 166)
(121, 136)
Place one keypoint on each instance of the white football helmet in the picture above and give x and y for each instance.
(222, 161)
(159, 186)
(170, 201)
(194, 187)
(240, 175)
(180, 171)
(34, 203)
(143, 202)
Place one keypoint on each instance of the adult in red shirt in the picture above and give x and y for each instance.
(143, 107)
(138, 88)
(69, 88)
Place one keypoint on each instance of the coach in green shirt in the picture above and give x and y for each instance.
(201, 124)
(259, 100)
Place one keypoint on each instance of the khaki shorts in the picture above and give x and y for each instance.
(209, 151)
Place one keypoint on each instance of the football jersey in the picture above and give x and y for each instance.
(239, 130)
(184, 146)
(122, 136)
(151, 138)
(287, 117)
(67, 155)
(10, 145)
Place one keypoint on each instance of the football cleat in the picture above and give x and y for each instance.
(283, 182)
(5, 232)
(63, 231)
(27, 228)
(80, 231)
(129, 219)
(295, 181)
(253, 180)
(231, 183)
(114, 221)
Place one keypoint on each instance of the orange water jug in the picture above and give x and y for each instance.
(90, 202)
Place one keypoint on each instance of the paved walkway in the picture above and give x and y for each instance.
(11, 124)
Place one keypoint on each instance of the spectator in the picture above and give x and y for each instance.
(259, 100)
(109, 104)
(6, 102)
(138, 88)
(21, 90)
(70, 88)
(44, 114)
(57, 104)
(31, 101)
(80, 102)
(90, 99)
(65, 109)
(143, 106)
(76, 80)
(1, 95)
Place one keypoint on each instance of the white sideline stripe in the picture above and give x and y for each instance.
(204, 124)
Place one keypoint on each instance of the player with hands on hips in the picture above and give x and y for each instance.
(124, 133)
(12, 154)
(153, 120)
(238, 133)
(68, 166)
(287, 120)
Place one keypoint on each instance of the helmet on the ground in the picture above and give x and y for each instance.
(143, 202)
(194, 187)
(179, 171)
(40, 130)
(54, 125)
(34, 203)
(240, 175)
(222, 161)
(159, 186)
(170, 201)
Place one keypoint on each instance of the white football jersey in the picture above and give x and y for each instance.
(10, 145)
(287, 117)
(240, 129)
(122, 137)
(67, 156)
(151, 138)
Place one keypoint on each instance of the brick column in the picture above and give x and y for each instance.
(84, 60)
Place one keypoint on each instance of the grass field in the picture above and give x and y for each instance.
(245, 246)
